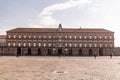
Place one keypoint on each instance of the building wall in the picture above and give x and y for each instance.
(86, 43)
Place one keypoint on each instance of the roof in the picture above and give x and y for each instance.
(55, 29)
(2, 36)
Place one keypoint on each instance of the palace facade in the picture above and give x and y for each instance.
(60, 41)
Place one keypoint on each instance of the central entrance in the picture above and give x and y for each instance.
(59, 51)
(29, 52)
(18, 51)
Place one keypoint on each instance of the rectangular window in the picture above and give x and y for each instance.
(105, 44)
(44, 44)
(90, 37)
(34, 36)
(100, 45)
(80, 45)
(110, 37)
(80, 37)
(85, 45)
(24, 44)
(75, 44)
(14, 36)
(70, 45)
(49, 37)
(9, 36)
(39, 44)
(14, 44)
(105, 37)
(95, 45)
(85, 37)
(111, 45)
(90, 45)
(24, 36)
(19, 44)
(49, 44)
(9, 44)
(95, 37)
(29, 44)
(19, 36)
(34, 44)
(75, 37)
(29, 36)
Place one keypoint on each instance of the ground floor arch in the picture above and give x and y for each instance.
(90, 52)
(60, 51)
(39, 51)
(101, 52)
(19, 51)
(80, 52)
(29, 51)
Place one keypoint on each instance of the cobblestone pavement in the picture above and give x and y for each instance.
(59, 68)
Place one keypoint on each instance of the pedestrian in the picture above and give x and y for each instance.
(110, 56)
(95, 56)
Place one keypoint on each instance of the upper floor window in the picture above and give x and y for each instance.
(105, 44)
(111, 45)
(14, 44)
(29, 36)
(90, 45)
(85, 37)
(75, 37)
(29, 44)
(39, 44)
(44, 44)
(14, 36)
(9, 36)
(65, 44)
(80, 37)
(49, 37)
(70, 45)
(49, 44)
(44, 37)
(34, 36)
(90, 37)
(19, 44)
(100, 37)
(75, 44)
(39, 36)
(65, 36)
(34, 44)
(110, 37)
(9, 44)
(95, 45)
(80, 45)
(85, 45)
(95, 37)
(19, 36)
(70, 37)
(105, 37)
(24, 36)
(24, 44)
(100, 44)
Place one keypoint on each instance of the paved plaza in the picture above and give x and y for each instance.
(59, 68)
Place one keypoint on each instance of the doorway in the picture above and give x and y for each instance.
(18, 51)
(29, 51)
(90, 52)
(80, 52)
(101, 52)
(59, 52)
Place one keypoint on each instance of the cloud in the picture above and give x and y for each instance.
(62, 6)
(46, 17)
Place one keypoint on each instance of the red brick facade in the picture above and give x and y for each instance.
(60, 41)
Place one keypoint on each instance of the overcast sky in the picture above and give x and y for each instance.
(70, 13)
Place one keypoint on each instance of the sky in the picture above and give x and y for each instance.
(70, 13)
